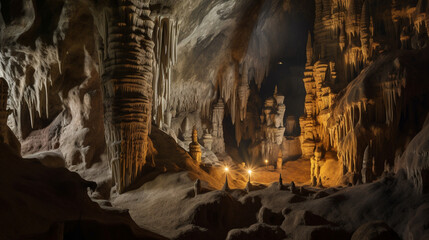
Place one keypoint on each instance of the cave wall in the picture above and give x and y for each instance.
(55, 94)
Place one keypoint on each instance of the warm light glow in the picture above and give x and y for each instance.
(266, 160)
(249, 171)
(226, 169)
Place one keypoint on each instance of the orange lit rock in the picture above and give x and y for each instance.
(194, 147)
(126, 54)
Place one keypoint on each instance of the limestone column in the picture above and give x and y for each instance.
(126, 56)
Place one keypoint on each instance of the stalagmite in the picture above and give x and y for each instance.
(319, 182)
(292, 187)
(127, 87)
(187, 131)
(280, 182)
(197, 187)
(248, 187)
(315, 163)
(364, 165)
(313, 181)
(272, 120)
(194, 147)
(280, 161)
(208, 141)
(218, 145)
(225, 185)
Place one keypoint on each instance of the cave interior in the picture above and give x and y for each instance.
(214, 119)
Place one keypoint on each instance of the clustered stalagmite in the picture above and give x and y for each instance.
(337, 52)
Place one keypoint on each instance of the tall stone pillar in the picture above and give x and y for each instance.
(126, 58)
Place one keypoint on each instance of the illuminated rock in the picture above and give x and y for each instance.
(313, 181)
(280, 161)
(126, 54)
(365, 161)
(319, 182)
(194, 147)
(315, 162)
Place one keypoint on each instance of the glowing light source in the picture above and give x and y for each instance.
(226, 169)
(250, 173)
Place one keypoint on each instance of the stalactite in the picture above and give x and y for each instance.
(344, 44)
(364, 31)
(165, 37)
(24, 65)
(309, 50)
(127, 88)
(243, 92)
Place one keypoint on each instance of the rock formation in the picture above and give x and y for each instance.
(4, 92)
(126, 52)
(194, 147)
(226, 185)
(315, 162)
(349, 36)
(272, 121)
(67, 66)
(6, 135)
(165, 35)
(217, 124)
(208, 141)
(279, 165)
(197, 187)
(293, 187)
